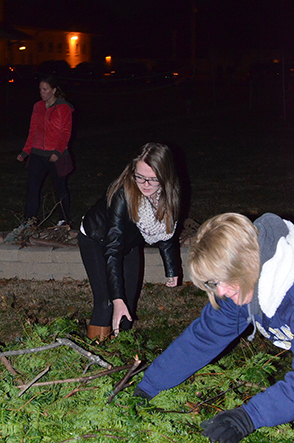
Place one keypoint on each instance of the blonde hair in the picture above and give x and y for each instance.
(159, 157)
(225, 249)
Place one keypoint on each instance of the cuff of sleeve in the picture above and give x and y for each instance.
(147, 388)
(138, 392)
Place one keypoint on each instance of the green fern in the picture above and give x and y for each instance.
(55, 413)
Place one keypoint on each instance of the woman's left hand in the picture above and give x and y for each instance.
(172, 282)
(53, 158)
(119, 311)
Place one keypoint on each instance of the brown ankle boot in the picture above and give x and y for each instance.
(99, 332)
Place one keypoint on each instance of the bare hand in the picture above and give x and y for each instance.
(20, 158)
(53, 158)
(172, 282)
(119, 310)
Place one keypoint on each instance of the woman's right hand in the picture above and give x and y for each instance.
(119, 311)
(53, 158)
(20, 158)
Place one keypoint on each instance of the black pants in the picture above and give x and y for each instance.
(38, 168)
(94, 262)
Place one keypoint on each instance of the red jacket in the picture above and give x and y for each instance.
(50, 128)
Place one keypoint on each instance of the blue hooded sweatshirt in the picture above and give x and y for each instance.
(271, 311)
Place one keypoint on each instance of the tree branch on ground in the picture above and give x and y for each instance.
(81, 379)
(62, 342)
(123, 382)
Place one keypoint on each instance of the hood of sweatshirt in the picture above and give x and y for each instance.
(62, 101)
(276, 242)
(275, 239)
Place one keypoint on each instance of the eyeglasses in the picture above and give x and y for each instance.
(211, 285)
(151, 181)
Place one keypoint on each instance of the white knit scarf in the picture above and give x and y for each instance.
(151, 229)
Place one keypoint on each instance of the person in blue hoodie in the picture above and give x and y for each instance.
(247, 270)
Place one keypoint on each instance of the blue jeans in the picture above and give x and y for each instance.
(38, 168)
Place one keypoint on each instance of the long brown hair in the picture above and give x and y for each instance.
(159, 157)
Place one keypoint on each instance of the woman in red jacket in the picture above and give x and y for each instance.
(47, 148)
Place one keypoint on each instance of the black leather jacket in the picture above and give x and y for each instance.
(118, 235)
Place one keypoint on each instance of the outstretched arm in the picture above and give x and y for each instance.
(197, 346)
(275, 405)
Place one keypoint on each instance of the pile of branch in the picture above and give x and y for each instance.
(132, 368)
(22, 233)
(55, 236)
(32, 233)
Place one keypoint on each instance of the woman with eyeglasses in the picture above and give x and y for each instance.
(247, 270)
(141, 205)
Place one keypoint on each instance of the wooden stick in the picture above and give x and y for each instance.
(121, 385)
(28, 385)
(81, 379)
(8, 366)
(29, 351)
(61, 341)
(92, 357)
(10, 369)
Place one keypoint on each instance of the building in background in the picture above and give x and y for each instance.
(50, 44)
(30, 45)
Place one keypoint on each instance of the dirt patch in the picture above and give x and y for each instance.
(159, 307)
(28, 301)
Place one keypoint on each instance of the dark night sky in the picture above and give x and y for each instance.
(147, 25)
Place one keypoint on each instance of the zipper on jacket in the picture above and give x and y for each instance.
(47, 109)
(44, 129)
